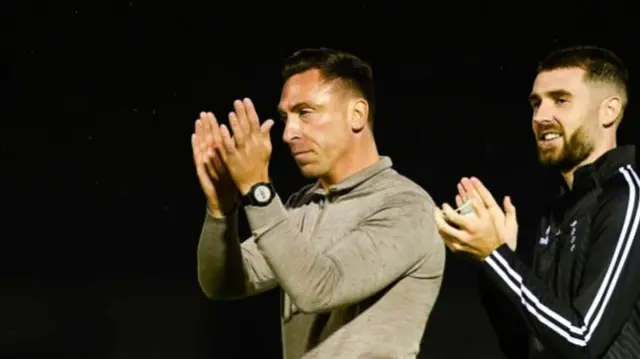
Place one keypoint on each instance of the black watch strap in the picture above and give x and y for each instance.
(261, 194)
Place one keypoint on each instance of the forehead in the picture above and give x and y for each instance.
(306, 87)
(569, 79)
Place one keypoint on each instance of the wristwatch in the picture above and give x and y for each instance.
(261, 194)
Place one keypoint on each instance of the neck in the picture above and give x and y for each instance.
(568, 175)
(362, 153)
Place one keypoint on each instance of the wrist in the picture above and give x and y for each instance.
(490, 250)
(222, 211)
(245, 188)
(215, 211)
(260, 194)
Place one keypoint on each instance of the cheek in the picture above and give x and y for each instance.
(329, 136)
(571, 120)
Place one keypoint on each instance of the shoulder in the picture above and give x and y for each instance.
(619, 198)
(623, 184)
(416, 210)
(395, 187)
(407, 207)
(621, 188)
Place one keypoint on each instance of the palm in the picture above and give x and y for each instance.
(504, 219)
(215, 181)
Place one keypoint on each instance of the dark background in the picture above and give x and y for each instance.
(101, 208)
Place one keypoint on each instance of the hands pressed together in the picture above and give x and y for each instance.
(229, 161)
(478, 233)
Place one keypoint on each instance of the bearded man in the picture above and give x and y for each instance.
(581, 298)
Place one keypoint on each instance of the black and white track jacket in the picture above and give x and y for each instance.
(581, 299)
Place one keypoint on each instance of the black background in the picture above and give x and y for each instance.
(101, 208)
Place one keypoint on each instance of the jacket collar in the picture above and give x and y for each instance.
(355, 179)
(592, 175)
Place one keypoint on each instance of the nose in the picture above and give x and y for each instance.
(544, 112)
(291, 129)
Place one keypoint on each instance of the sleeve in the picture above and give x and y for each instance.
(587, 326)
(385, 246)
(228, 269)
(511, 333)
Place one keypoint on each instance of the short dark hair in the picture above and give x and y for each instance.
(600, 65)
(333, 64)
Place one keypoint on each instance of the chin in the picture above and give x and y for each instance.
(550, 154)
(549, 157)
(310, 170)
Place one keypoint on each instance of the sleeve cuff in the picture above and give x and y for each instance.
(261, 219)
(232, 213)
(502, 251)
(216, 227)
(499, 266)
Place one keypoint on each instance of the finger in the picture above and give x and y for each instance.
(462, 192)
(229, 146)
(468, 189)
(238, 134)
(216, 137)
(445, 229)
(509, 210)
(478, 208)
(199, 130)
(451, 244)
(201, 136)
(265, 129)
(487, 198)
(243, 117)
(218, 164)
(205, 181)
(454, 217)
(205, 119)
(252, 115)
(484, 193)
(195, 145)
(459, 201)
(209, 163)
(206, 152)
(205, 159)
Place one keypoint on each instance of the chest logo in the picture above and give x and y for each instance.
(573, 235)
(545, 240)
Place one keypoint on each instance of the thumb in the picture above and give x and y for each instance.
(509, 210)
(265, 128)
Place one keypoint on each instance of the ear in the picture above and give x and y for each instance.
(359, 114)
(610, 110)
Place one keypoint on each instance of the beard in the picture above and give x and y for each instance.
(573, 151)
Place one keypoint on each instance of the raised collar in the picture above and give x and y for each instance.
(594, 174)
(355, 179)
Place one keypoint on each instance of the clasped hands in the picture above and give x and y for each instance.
(482, 231)
(231, 160)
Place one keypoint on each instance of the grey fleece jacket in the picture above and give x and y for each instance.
(359, 265)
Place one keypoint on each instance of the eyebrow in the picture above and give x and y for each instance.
(552, 94)
(294, 108)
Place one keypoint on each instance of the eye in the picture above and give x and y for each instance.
(305, 111)
(561, 100)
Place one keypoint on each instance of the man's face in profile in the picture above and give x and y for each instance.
(316, 126)
(563, 118)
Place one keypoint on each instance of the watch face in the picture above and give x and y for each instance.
(262, 194)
